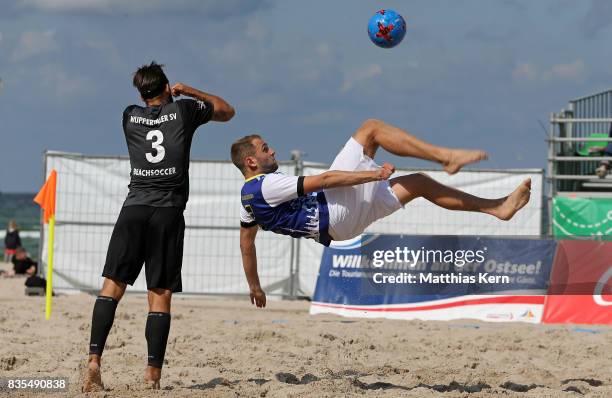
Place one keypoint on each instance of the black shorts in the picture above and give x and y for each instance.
(149, 235)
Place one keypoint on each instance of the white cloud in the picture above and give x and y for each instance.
(524, 71)
(232, 51)
(574, 70)
(33, 43)
(70, 5)
(267, 104)
(311, 75)
(256, 30)
(61, 84)
(212, 9)
(105, 47)
(597, 18)
(360, 75)
(323, 50)
(98, 45)
(569, 71)
(318, 61)
(319, 118)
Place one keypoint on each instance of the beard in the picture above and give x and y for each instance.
(271, 168)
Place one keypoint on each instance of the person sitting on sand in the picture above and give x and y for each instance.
(341, 203)
(22, 264)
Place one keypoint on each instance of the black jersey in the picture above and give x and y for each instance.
(12, 240)
(159, 142)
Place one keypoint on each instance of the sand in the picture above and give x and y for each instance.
(227, 348)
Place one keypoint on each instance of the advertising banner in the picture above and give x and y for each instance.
(582, 217)
(581, 284)
(435, 277)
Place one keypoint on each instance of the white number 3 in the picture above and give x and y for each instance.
(160, 150)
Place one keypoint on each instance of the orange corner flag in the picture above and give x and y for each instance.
(46, 196)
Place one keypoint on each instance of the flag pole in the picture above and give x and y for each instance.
(49, 288)
(46, 199)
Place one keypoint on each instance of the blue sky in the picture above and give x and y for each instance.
(472, 73)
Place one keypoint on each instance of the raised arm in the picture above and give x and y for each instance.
(336, 178)
(249, 262)
(223, 110)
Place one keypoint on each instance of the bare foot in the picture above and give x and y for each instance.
(93, 378)
(515, 201)
(152, 377)
(458, 158)
(151, 384)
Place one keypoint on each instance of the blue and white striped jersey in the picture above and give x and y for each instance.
(276, 202)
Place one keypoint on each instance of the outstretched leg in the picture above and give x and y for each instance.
(417, 185)
(101, 323)
(375, 133)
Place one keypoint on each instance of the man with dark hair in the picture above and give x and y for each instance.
(150, 226)
(341, 203)
(23, 264)
(241, 149)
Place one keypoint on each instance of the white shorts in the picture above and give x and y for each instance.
(353, 209)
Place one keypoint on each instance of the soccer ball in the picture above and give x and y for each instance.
(386, 28)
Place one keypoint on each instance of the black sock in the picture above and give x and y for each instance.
(101, 323)
(156, 332)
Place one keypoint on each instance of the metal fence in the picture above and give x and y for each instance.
(570, 167)
(91, 190)
(571, 164)
(596, 106)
